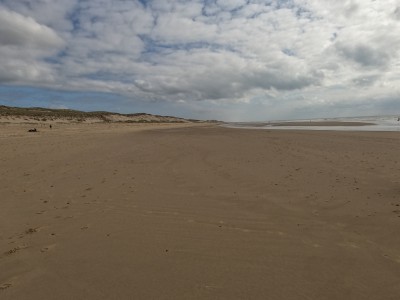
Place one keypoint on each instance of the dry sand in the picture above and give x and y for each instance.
(117, 212)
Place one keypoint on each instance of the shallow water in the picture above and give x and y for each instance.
(382, 123)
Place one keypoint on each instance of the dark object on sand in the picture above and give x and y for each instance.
(51, 126)
(32, 130)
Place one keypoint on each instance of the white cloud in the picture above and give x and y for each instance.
(52, 13)
(23, 45)
(18, 30)
(288, 54)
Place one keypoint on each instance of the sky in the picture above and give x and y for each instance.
(231, 60)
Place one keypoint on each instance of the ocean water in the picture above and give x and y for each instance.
(381, 123)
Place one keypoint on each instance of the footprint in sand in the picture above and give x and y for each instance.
(31, 230)
(5, 286)
(47, 248)
(15, 250)
(12, 251)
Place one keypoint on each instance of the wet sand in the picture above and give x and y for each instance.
(118, 212)
(322, 123)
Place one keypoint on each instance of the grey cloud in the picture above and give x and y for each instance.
(230, 4)
(396, 13)
(280, 80)
(364, 55)
(225, 82)
(351, 8)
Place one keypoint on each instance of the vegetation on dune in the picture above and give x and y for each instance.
(45, 114)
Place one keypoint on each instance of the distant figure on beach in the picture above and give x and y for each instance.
(51, 126)
(398, 119)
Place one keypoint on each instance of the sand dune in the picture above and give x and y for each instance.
(41, 116)
(113, 211)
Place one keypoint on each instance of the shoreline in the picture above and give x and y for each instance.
(321, 123)
(371, 123)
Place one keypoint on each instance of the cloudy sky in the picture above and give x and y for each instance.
(231, 60)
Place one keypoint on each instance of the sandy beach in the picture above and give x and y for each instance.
(184, 211)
